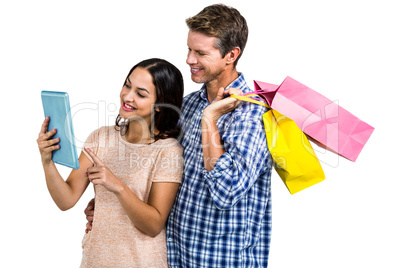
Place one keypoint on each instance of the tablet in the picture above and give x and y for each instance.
(56, 105)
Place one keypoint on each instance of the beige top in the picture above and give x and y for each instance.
(114, 241)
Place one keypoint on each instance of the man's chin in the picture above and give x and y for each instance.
(197, 79)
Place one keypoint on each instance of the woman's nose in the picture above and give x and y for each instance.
(128, 95)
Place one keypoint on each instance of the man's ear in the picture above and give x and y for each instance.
(232, 55)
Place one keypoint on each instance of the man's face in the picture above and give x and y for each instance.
(204, 59)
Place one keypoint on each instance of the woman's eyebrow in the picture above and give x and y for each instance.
(143, 89)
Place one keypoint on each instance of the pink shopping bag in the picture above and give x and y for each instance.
(322, 120)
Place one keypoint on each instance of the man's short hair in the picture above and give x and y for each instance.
(223, 22)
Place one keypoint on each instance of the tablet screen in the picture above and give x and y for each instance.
(56, 105)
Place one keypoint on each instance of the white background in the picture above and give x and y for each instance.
(348, 50)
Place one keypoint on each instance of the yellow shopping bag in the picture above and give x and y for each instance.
(295, 160)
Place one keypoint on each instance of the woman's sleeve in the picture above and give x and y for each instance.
(168, 166)
(92, 143)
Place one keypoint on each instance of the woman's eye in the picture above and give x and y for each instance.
(140, 95)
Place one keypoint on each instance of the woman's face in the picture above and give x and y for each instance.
(138, 96)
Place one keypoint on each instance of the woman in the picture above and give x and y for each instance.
(135, 167)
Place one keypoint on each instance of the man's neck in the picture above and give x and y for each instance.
(222, 81)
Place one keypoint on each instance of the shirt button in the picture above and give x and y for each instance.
(170, 240)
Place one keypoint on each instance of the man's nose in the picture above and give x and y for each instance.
(191, 59)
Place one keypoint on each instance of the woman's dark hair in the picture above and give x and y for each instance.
(169, 87)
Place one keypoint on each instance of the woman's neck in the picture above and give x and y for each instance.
(139, 133)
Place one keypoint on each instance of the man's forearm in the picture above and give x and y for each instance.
(212, 146)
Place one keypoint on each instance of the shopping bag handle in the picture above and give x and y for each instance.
(252, 100)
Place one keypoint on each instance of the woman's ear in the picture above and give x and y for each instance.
(156, 108)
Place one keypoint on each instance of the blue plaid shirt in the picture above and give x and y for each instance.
(222, 217)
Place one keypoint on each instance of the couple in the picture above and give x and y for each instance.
(217, 203)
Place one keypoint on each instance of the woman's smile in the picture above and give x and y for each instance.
(128, 107)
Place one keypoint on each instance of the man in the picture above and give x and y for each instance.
(222, 213)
